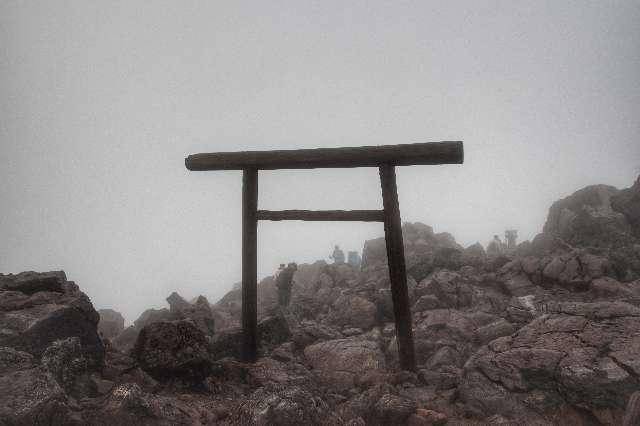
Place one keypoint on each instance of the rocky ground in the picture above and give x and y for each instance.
(547, 334)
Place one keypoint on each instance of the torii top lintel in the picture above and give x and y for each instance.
(364, 156)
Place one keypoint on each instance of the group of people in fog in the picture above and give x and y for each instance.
(284, 275)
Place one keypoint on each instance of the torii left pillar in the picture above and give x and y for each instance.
(249, 263)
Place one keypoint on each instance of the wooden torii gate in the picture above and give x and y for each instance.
(385, 157)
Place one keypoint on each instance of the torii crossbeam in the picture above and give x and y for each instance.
(384, 157)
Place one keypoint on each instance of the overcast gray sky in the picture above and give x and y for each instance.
(101, 101)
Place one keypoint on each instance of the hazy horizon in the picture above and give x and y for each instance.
(101, 102)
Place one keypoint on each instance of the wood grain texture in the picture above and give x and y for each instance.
(363, 156)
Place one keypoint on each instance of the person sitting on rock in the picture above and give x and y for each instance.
(337, 256)
(284, 283)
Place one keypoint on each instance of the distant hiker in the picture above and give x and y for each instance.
(337, 256)
(495, 247)
(511, 236)
(278, 272)
(353, 258)
(284, 282)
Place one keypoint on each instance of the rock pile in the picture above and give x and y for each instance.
(547, 334)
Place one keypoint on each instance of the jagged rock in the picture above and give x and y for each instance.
(581, 355)
(586, 217)
(340, 362)
(424, 417)
(474, 255)
(172, 349)
(310, 332)
(153, 315)
(448, 288)
(393, 409)
(286, 406)
(427, 302)
(272, 331)
(603, 219)
(177, 303)
(446, 377)
(111, 323)
(13, 360)
(353, 311)
(126, 339)
(360, 408)
(492, 331)
(632, 413)
(627, 202)
(199, 312)
(128, 404)
(31, 396)
(65, 362)
(51, 309)
(30, 282)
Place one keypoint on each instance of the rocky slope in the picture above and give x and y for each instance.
(549, 334)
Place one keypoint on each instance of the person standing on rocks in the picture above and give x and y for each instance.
(337, 256)
(284, 283)
(495, 247)
(278, 272)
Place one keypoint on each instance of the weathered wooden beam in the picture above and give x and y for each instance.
(364, 156)
(249, 265)
(397, 268)
(323, 215)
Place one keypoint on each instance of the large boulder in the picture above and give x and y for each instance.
(339, 363)
(353, 311)
(627, 202)
(576, 357)
(30, 394)
(65, 362)
(36, 309)
(172, 349)
(272, 331)
(605, 220)
(586, 218)
(111, 323)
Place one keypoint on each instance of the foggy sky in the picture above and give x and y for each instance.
(101, 101)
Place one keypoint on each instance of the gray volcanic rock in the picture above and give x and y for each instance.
(578, 356)
(605, 220)
(172, 348)
(286, 406)
(627, 202)
(586, 218)
(394, 409)
(353, 311)
(31, 396)
(272, 331)
(125, 340)
(342, 361)
(127, 404)
(199, 312)
(111, 323)
(177, 302)
(38, 309)
(65, 362)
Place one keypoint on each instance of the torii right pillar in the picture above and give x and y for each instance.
(397, 267)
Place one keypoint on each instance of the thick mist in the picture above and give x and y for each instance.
(100, 103)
